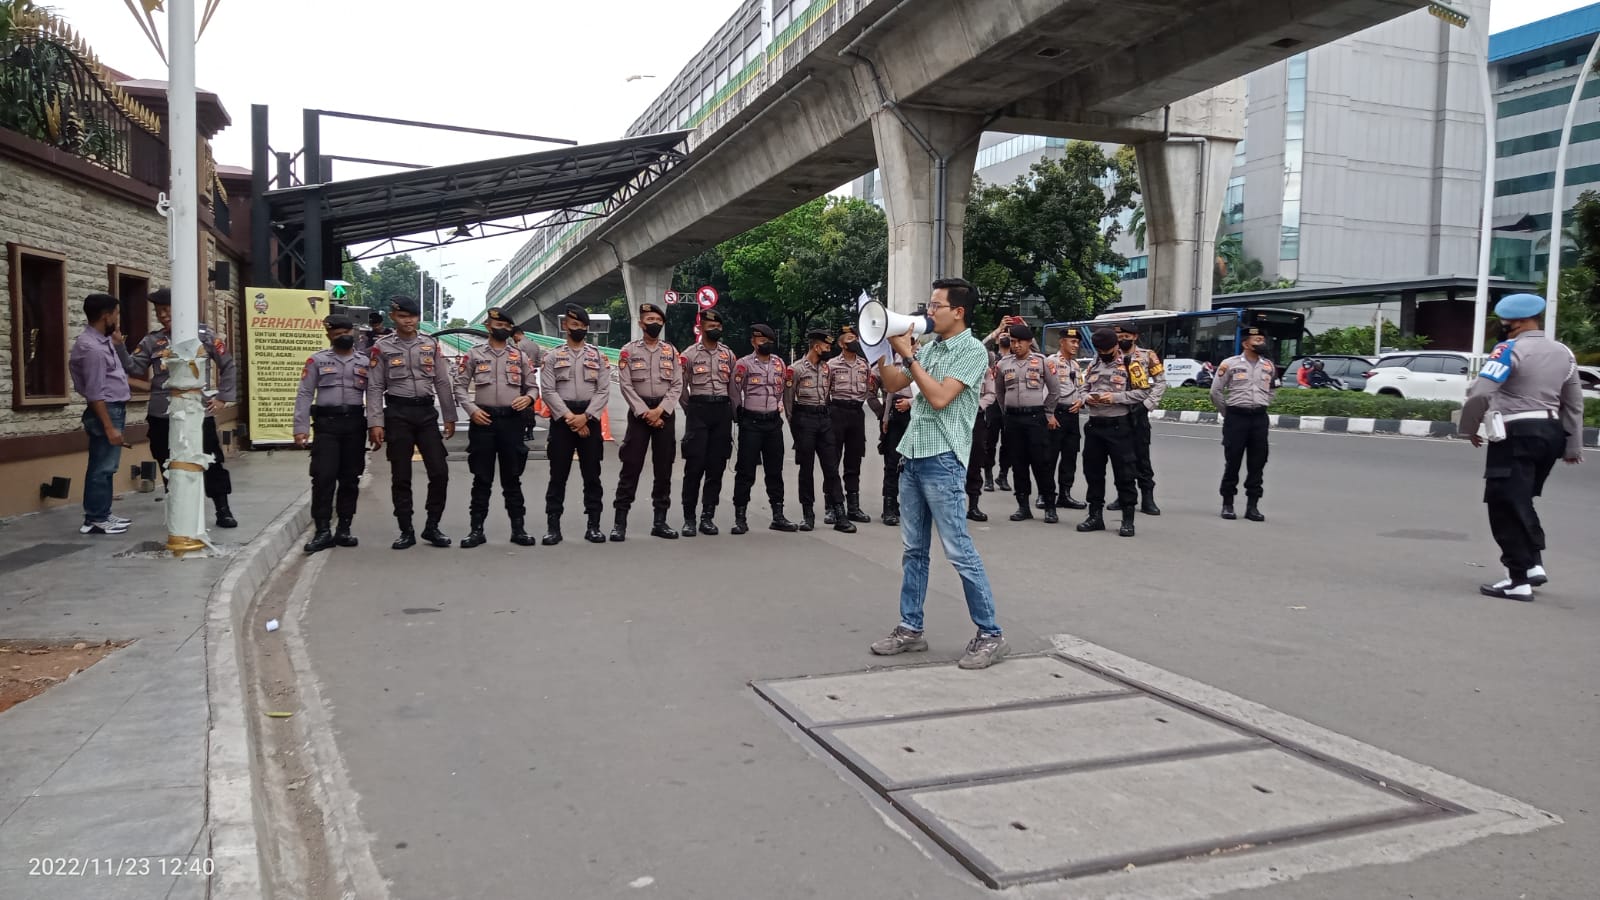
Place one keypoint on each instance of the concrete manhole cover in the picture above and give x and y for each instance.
(1088, 766)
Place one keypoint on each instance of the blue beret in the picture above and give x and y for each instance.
(1520, 306)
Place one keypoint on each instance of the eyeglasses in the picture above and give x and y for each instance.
(934, 306)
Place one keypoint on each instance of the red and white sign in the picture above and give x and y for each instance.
(706, 297)
(670, 297)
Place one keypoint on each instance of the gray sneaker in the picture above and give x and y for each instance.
(900, 640)
(984, 651)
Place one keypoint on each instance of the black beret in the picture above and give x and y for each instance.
(1252, 331)
(710, 315)
(1021, 333)
(161, 297)
(818, 334)
(1104, 339)
(496, 314)
(405, 305)
(647, 308)
(1129, 327)
(333, 322)
(765, 331)
(576, 312)
(846, 331)
(374, 317)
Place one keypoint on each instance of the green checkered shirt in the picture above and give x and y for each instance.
(949, 430)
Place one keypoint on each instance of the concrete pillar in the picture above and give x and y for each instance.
(644, 284)
(910, 175)
(1183, 182)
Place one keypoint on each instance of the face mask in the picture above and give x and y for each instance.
(1108, 355)
(577, 334)
(500, 334)
(713, 334)
(853, 347)
(344, 342)
(1505, 331)
(1125, 343)
(764, 350)
(653, 329)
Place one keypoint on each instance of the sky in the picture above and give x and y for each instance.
(547, 67)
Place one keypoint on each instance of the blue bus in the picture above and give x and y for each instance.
(1186, 341)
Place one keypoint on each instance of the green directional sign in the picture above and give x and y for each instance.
(338, 291)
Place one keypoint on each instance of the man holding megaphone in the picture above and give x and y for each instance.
(948, 374)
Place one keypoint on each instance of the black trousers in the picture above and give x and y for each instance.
(889, 446)
(338, 457)
(760, 443)
(993, 422)
(1144, 471)
(850, 432)
(1109, 438)
(500, 442)
(1027, 440)
(707, 444)
(1065, 442)
(980, 434)
(407, 428)
(563, 443)
(218, 482)
(1514, 474)
(638, 441)
(814, 438)
(1244, 439)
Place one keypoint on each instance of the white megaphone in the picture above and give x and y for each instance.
(876, 323)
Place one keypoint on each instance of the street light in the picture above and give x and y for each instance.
(1558, 203)
(1449, 14)
(1480, 313)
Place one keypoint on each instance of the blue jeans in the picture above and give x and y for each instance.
(931, 492)
(103, 460)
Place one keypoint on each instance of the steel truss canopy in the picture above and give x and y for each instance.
(467, 201)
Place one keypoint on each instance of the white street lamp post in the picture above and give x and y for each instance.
(1480, 312)
(1558, 205)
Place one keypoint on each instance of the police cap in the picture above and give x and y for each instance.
(818, 334)
(375, 317)
(496, 314)
(576, 312)
(404, 305)
(710, 315)
(646, 309)
(1073, 332)
(1128, 327)
(1520, 306)
(336, 321)
(1253, 331)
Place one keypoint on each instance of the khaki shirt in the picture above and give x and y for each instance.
(149, 357)
(758, 384)
(1026, 382)
(649, 373)
(402, 368)
(807, 385)
(575, 380)
(490, 377)
(1071, 375)
(1111, 378)
(849, 379)
(1241, 384)
(1529, 373)
(707, 372)
(329, 379)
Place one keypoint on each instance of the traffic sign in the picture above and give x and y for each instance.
(670, 297)
(338, 291)
(706, 297)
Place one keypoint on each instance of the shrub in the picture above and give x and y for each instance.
(1352, 404)
(1591, 413)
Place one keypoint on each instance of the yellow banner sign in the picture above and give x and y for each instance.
(284, 329)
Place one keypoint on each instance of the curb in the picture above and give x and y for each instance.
(1343, 425)
(231, 819)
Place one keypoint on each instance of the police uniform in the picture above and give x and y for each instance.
(1108, 435)
(1242, 390)
(994, 428)
(892, 425)
(1027, 389)
(373, 333)
(1144, 371)
(149, 359)
(406, 379)
(757, 396)
(850, 381)
(708, 434)
(1530, 391)
(805, 399)
(980, 428)
(575, 380)
(650, 378)
(332, 397)
(1066, 439)
(494, 380)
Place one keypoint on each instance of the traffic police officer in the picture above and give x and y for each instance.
(805, 400)
(406, 379)
(708, 435)
(894, 416)
(980, 428)
(757, 396)
(1065, 440)
(1530, 385)
(849, 383)
(575, 384)
(496, 386)
(150, 358)
(651, 380)
(1144, 371)
(1026, 388)
(1242, 390)
(1109, 396)
(333, 391)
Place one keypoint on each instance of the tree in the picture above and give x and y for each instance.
(1136, 226)
(1238, 273)
(1357, 340)
(396, 276)
(456, 323)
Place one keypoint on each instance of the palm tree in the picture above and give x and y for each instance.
(1136, 225)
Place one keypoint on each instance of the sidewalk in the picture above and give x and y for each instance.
(112, 764)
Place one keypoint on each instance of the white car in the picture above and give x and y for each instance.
(1590, 376)
(1421, 375)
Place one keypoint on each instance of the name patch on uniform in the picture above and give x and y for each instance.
(329, 370)
(484, 367)
(639, 364)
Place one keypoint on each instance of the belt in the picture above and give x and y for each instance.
(652, 402)
(845, 404)
(1025, 411)
(499, 410)
(1108, 421)
(392, 400)
(815, 409)
(1535, 414)
(750, 413)
(707, 399)
(331, 410)
(1248, 410)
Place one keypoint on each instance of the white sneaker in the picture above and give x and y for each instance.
(1537, 576)
(113, 517)
(1506, 589)
(105, 526)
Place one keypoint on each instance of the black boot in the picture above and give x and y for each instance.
(659, 528)
(1023, 513)
(974, 513)
(779, 523)
(593, 534)
(342, 535)
(1002, 483)
(988, 481)
(321, 539)
(552, 530)
(708, 525)
(1050, 517)
(225, 517)
(841, 520)
(1227, 510)
(519, 534)
(475, 536)
(891, 511)
(740, 526)
(1065, 500)
(1253, 512)
(1127, 523)
(432, 534)
(831, 515)
(1038, 502)
(1094, 521)
(619, 529)
(407, 538)
(1149, 507)
(688, 522)
(854, 508)
(808, 517)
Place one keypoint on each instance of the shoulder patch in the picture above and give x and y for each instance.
(1498, 368)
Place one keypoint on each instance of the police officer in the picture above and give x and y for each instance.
(1026, 387)
(375, 329)
(651, 380)
(1144, 371)
(805, 400)
(406, 379)
(757, 396)
(1109, 396)
(1242, 390)
(576, 384)
(149, 358)
(496, 386)
(708, 435)
(333, 393)
(1530, 386)
(850, 382)
(995, 426)
(980, 428)
(894, 416)
(1065, 440)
